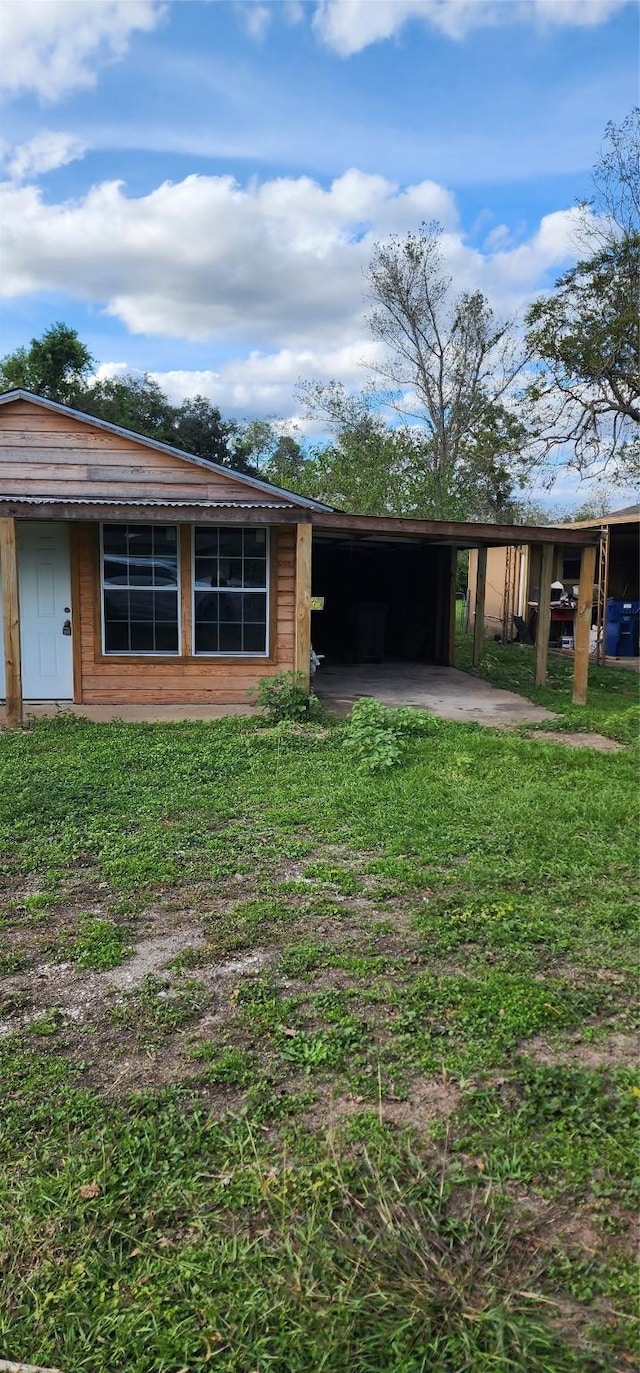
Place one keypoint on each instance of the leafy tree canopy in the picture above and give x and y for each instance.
(55, 366)
(585, 336)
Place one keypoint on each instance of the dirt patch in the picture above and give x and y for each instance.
(616, 1051)
(150, 955)
(427, 1102)
(599, 742)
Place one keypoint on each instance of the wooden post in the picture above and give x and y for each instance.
(11, 621)
(543, 625)
(453, 576)
(478, 622)
(583, 625)
(303, 602)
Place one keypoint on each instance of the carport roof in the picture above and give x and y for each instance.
(457, 533)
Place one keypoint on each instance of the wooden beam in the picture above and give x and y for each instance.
(185, 534)
(140, 513)
(11, 622)
(75, 534)
(463, 533)
(478, 621)
(303, 603)
(583, 625)
(543, 625)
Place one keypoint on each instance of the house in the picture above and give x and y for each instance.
(513, 575)
(133, 573)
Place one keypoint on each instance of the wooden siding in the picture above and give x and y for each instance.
(114, 680)
(45, 454)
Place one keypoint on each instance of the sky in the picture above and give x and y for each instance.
(196, 186)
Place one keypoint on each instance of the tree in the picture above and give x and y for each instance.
(586, 335)
(374, 467)
(198, 427)
(55, 366)
(132, 402)
(448, 364)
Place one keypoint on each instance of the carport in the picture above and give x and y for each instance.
(382, 589)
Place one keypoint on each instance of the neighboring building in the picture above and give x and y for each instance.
(135, 573)
(513, 573)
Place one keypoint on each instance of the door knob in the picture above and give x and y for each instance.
(66, 628)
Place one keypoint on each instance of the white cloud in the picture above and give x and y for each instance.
(276, 263)
(51, 47)
(264, 383)
(270, 274)
(43, 153)
(348, 26)
(257, 19)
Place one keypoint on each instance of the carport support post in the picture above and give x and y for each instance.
(543, 624)
(11, 621)
(453, 587)
(478, 622)
(303, 603)
(583, 625)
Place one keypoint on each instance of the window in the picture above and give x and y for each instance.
(230, 590)
(140, 588)
(571, 568)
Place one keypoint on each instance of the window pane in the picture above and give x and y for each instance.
(230, 543)
(140, 540)
(142, 636)
(116, 605)
(116, 636)
(230, 603)
(206, 543)
(116, 571)
(206, 572)
(165, 605)
(207, 638)
(254, 638)
(230, 572)
(230, 638)
(255, 572)
(206, 606)
(254, 607)
(115, 538)
(166, 638)
(255, 543)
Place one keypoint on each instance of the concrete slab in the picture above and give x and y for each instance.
(445, 691)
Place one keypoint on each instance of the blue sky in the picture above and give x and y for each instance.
(231, 164)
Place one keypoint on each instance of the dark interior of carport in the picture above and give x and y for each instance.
(385, 599)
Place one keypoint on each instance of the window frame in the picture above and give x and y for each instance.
(156, 653)
(227, 653)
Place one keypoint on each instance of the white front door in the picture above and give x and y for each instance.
(45, 612)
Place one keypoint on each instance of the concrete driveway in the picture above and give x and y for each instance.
(445, 691)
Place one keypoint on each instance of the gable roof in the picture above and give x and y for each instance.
(255, 483)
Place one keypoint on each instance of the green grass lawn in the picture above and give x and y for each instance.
(311, 1068)
(612, 700)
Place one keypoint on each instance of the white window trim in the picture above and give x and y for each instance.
(141, 652)
(267, 594)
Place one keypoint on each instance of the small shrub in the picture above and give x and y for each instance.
(376, 736)
(285, 697)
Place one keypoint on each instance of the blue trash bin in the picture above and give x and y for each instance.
(623, 628)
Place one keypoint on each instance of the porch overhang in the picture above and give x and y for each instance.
(175, 512)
